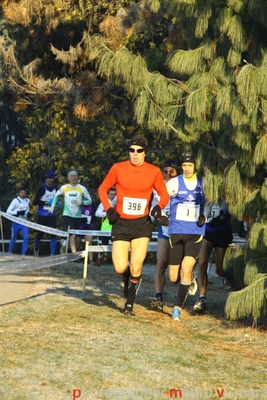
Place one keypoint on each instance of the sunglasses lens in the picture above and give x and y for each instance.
(131, 150)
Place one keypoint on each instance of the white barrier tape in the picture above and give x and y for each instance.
(88, 233)
(32, 263)
(58, 232)
(35, 226)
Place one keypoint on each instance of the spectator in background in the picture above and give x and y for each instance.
(43, 199)
(19, 207)
(75, 195)
(105, 225)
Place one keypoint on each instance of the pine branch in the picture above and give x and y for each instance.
(249, 301)
(233, 189)
(254, 267)
(187, 62)
(260, 152)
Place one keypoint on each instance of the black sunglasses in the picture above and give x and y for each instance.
(171, 172)
(131, 150)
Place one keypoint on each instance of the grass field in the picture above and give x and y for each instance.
(63, 343)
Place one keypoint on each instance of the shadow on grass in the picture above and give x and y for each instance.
(102, 290)
(68, 281)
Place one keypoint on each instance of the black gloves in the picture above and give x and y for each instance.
(113, 215)
(156, 212)
(218, 220)
(201, 220)
(162, 219)
(22, 212)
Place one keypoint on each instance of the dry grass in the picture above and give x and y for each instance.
(62, 343)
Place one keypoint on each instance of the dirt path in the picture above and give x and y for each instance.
(16, 286)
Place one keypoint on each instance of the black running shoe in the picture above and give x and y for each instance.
(200, 306)
(157, 304)
(128, 310)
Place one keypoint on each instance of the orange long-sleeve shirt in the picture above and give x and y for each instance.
(134, 186)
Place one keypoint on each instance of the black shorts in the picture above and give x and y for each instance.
(129, 229)
(50, 221)
(219, 239)
(184, 245)
(71, 223)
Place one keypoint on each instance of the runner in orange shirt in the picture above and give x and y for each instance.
(132, 228)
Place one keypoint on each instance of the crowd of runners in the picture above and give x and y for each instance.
(134, 196)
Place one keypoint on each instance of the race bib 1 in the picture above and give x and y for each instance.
(132, 206)
(187, 212)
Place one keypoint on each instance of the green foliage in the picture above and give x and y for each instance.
(197, 104)
(220, 70)
(212, 185)
(233, 265)
(203, 20)
(263, 106)
(58, 142)
(260, 77)
(252, 300)
(256, 206)
(256, 233)
(233, 189)
(237, 34)
(264, 190)
(256, 242)
(233, 58)
(254, 267)
(223, 106)
(238, 115)
(260, 152)
(155, 5)
(187, 62)
(224, 19)
(246, 87)
(242, 138)
(223, 145)
(208, 181)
